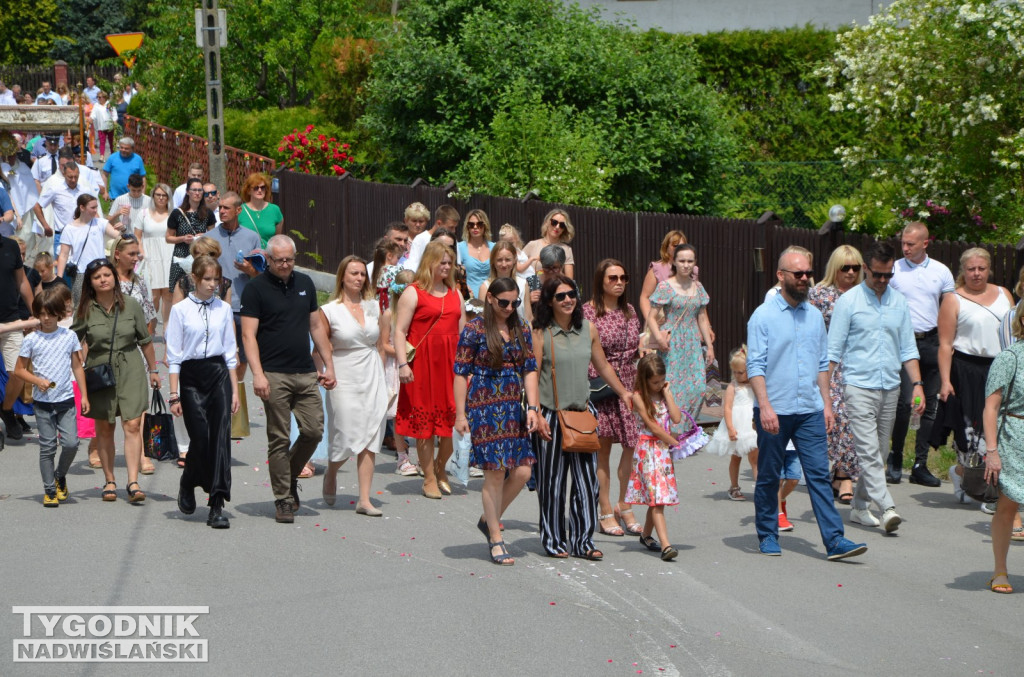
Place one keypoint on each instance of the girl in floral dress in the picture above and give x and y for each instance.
(653, 481)
(686, 321)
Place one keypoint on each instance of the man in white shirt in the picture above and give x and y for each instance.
(924, 282)
(126, 210)
(49, 94)
(195, 171)
(64, 200)
(90, 179)
(46, 165)
(6, 96)
(416, 216)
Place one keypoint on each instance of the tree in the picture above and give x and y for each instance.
(438, 82)
(86, 23)
(936, 82)
(29, 29)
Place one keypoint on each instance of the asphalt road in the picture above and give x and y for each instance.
(414, 592)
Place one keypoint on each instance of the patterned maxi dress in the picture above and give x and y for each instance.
(841, 453)
(687, 372)
(496, 418)
(620, 339)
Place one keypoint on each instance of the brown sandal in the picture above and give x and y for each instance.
(736, 495)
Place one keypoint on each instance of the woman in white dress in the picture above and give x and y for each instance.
(357, 408)
(154, 250)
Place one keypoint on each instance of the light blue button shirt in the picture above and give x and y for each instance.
(871, 338)
(787, 345)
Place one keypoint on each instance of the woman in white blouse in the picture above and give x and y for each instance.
(202, 356)
(82, 240)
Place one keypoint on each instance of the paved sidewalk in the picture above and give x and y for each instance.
(414, 592)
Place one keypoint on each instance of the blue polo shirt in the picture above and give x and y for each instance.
(120, 169)
(787, 345)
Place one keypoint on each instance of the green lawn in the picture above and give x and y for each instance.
(939, 460)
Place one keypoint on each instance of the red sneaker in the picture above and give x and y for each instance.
(784, 523)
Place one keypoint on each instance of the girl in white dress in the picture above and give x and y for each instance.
(357, 409)
(736, 434)
(154, 250)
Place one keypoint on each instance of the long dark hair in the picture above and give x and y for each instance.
(648, 367)
(495, 344)
(202, 213)
(682, 248)
(545, 315)
(598, 300)
(380, 258)
(89, 292)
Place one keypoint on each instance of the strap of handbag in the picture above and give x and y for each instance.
(554, 375)
(434, 323)
(88, 234)
(113, 334)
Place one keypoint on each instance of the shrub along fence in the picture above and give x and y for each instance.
(168, 153)
(737, 258)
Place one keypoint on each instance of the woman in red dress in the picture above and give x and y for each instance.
(430, 318)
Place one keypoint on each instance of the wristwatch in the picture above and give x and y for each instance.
(530, 407)
(918, 383)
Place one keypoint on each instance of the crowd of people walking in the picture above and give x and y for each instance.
(453, 329)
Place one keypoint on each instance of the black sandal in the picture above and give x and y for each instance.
(181, 461)
(109, 494)
(135, 495)
(503, 558)
(593, 555)
(669, 553)
(649, 543)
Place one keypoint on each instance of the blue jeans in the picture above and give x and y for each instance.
(51, 420)
(808, 434)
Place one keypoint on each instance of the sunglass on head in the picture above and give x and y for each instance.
(855, 267)
(881, 276)
(128, 238)
(505, 303)
(96, 264)
(560, 296)
(209, 193)
(616, 278)
(800, 273)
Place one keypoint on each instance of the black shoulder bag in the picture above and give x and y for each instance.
(973, 463)
(101, 376)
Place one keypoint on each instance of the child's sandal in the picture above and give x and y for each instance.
(736, 495)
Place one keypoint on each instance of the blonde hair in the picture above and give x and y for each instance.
(433, 255)
(203, 263)
(205, 246)
(568, 233)
(501, 246)
(508, 230)
(417, 210)
(404, 277)
(738, 358)
(481, 216)
(339, 284)
(973, 253)
(840, 257)
(1018, 288)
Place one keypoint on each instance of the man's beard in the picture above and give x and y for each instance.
(794, 291)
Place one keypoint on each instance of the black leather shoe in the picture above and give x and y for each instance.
(217, 520)
(186, 499)
(893, 475)
(921, 475)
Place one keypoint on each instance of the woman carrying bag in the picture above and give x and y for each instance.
(564, 345)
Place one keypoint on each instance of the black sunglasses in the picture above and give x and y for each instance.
(800, 273)
(505, 303)
(559, 224)
(882, 276)
(855, 267)
(560, 296)
(210, 193)
(474, 224)
(96, 264)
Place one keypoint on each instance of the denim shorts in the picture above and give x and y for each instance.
(791, 469)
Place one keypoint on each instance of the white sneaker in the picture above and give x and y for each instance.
(988, 508)
(958, 491)
(864, 517)
(475, 472)
(890, 520)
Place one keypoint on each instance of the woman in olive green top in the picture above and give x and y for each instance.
(559, 323)
(105, 317)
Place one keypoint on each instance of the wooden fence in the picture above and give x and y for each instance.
(737, 258)
(168, 153)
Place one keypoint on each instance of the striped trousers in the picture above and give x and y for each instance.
(553, 467)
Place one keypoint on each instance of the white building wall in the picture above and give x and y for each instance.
(706, 16)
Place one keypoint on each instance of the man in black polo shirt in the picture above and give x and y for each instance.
(279, 315)
(13, 286)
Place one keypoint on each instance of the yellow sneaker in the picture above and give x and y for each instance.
(62, 488)
(50, 500)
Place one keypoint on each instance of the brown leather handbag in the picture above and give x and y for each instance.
(579, 428)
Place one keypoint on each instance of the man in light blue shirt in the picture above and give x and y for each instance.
(788, 369)
(91, 90)
(121, 165)
(872, 336)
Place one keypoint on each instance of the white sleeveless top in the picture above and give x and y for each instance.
(977, 326)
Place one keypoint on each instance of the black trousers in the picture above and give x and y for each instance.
(205, 392)
(928, 348)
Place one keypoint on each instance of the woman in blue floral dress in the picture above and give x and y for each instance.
(488, 404)
(678, 337)
(843, 272)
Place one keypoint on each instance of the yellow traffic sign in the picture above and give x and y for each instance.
(125, 42)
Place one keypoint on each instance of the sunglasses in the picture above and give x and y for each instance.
(210, 193)
(557, 224)
(560, 296)
(96, 264)
(474, 224)
(505, 303)
(259, 188)
(855, 267)
(616, 278)
(800, 273)
(882, 276)
(127, 238)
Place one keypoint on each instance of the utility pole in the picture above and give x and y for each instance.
(211, 35)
